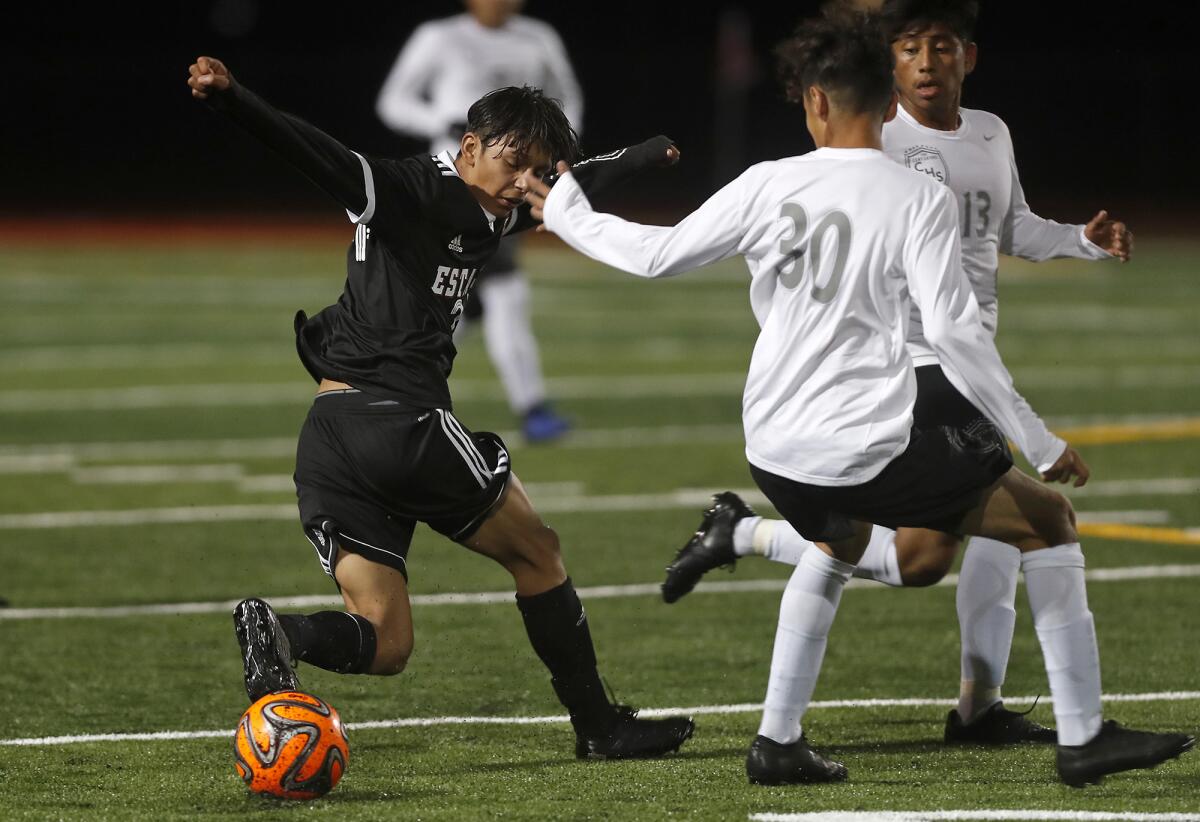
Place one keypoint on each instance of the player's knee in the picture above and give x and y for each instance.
(927, 561)
(1056, 525)
(391, 657)
(541, 549)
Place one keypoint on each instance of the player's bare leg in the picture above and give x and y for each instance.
(515, 536)
(379, 594)
(374, 635)
(1041, 523)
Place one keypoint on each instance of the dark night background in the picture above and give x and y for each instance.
(98, 119)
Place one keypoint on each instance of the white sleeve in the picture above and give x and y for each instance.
(400, 104)
(1026, 235)
(560, 81)
(708, 234)
(968, 354)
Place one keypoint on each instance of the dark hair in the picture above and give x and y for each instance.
(844, 53)
(522, 117)
(903, 16)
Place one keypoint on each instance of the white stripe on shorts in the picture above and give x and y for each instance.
(465, 447)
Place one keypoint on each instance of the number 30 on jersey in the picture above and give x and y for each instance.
(801, 245)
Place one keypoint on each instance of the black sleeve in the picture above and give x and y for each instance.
(595, 174)
(334, 168)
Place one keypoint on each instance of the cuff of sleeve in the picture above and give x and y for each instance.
(1090, 249)
(1054, 449)
(566, 189)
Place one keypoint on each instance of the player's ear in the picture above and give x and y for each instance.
(820, 103)
(468, 147)
(970, 56)
(890, 114)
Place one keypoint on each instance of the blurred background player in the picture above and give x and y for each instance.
(971, 152)
(445, 66)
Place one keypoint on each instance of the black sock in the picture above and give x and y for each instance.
(333, 640)
(558, 630)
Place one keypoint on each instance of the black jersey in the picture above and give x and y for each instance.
(420, 240)
(410, 270)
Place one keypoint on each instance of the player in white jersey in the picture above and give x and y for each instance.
(971, 153)
(840, 244)
(445, 66)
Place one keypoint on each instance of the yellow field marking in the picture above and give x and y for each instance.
(1138, 533)
(1132, 432)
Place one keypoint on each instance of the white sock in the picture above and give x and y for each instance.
(745, 541)
(806, 614)
(508, 333)
(774, 539)
(986, 600)
(879, 562)
(1058, 599)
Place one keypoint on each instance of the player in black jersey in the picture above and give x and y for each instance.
(381, 448)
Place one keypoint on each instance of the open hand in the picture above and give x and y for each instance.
(206, 75)
(536, 190)
(1111, 235)
(1069, 465)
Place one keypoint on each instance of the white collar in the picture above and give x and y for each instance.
(956, 134)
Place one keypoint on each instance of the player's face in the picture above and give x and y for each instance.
(930, 66)
(495, 172)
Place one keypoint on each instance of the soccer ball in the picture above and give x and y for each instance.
(291, 745)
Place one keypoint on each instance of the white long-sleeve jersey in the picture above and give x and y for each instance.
(448, 64)
(837, 242)
(976, 162)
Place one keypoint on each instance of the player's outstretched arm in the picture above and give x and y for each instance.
(598, 173)
(340, 172)
(1111, 235)
(709, 234)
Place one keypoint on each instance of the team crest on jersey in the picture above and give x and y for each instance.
(455, 245)
(928, 160)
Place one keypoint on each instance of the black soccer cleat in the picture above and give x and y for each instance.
(633, 738)
(710, 547)
(266, 655)
(1117, 749)
(997, 726)
(771, 763)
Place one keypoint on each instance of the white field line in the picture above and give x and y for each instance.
(966, 816)
(37, 457)
(160, 355)
(697, 498)
(599, 387)
(57, 457)
(741, 586)
(695, 710)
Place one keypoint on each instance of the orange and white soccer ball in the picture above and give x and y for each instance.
(291, 745)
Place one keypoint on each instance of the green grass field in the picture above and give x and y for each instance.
(148, 407)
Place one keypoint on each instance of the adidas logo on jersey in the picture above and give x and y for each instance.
(455, 245)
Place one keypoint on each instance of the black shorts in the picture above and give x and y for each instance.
(367, 470)
(954, 453)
